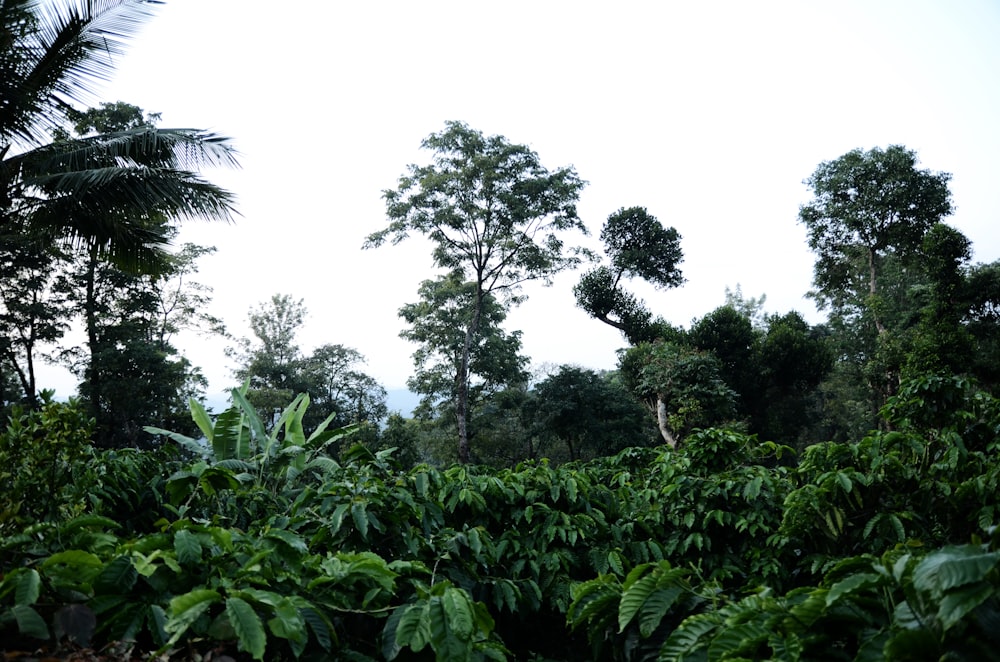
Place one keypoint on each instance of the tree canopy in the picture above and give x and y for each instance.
(495, 215)
(103, 189)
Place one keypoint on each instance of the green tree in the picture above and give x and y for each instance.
(638, 246)
(99, 190)
(867, 206)
(588, 412)
(31, 314)
(336, 386)
(271, 361)
(982, 319)
(276, 369)
(439, 325)
(866, 223)
(941, 343)
(731, 337)
(682, 387)
(131, 373)
(495, 215)
(794, 359)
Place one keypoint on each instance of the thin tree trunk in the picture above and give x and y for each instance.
(662, 423)
(462, 400)
(462, 397)
(873, 290)
(90, 315)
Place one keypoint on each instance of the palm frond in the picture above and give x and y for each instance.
(55, 54)
(189, 149)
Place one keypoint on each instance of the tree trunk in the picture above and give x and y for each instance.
(873, 291)
(462, 395)
(462, 400)
(661, 421)
(91, 373)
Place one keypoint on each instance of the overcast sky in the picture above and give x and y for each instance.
(709, 114)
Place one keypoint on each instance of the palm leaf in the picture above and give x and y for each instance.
(60, 51)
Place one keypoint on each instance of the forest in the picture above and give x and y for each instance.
(749, 486)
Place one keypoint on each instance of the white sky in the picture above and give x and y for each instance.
(709, 114)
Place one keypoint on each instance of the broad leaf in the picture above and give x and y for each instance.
(117, 577)
(29, 623)
(187, 547)
(27, 588)
(246, 623)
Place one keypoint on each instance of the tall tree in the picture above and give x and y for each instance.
(337, 386)
(866, 223)
(277, 370)
(131, 373)
(494, 214)
(589, 412)
(99, 190)
(638, 246)
(31, 314)
(438, 324)
(271, 361)
(867, 206)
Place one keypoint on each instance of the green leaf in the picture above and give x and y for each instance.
(850, 584)
(634, 596)
(27, 588)
(202, 419)
(390, 647)
(185, 610)
(448, 644)
(295, 542)
(228, 438)
(688, 636)
(288, 622)
(656, 607)
(246, 623)
(459, 609)
(29, 623)
(616, 562)
(845, 482)
(117, 577)
(321, 628)
(187, 547)
(956, 604)
(414, 628)
(360, 515)
(949, 567)
(74, 557)
(255, 422)
(736, 639)
(190, 444)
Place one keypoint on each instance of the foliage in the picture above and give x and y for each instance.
(681, 387)
(437, 324)
(496, 217)
(588, 412)
(130, 373)
(638, 246)
(30, 314)
(867, 223)
(722, 548)
(275, 369)
(99, 190)
(39, 451)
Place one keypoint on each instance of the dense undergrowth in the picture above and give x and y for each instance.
(271, 543)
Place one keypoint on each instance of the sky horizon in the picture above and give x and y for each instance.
(711, 116)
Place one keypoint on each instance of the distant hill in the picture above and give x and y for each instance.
(398, 400)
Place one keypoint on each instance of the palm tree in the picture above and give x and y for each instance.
(108, 191)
